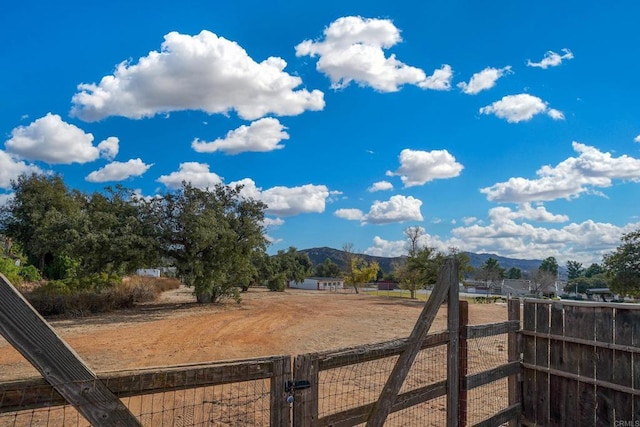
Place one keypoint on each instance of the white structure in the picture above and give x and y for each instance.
(318, 284)
(148, 272)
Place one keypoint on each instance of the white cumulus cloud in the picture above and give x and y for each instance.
(197, 174)
(350, 214)
(109, 148)
(551, 59)
(201, 72)
(525, 212)
(419, 167)
(397, 209)
(287, 201)
(521, 107)
(637, 138)
(353, 51)
(52, 140)
(118, 171)
(260, 136)
(592, 168)
(11, 169)
(483, 80)
(380, 186)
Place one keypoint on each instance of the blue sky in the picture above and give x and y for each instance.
(503, 127)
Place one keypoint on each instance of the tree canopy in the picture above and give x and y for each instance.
(623, 265)
(210, 236)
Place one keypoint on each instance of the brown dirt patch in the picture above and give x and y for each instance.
(175, 330)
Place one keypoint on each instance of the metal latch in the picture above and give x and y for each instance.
(290, 386)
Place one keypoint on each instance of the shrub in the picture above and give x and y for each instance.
(277, 284)
(10, 270)
(29, 273)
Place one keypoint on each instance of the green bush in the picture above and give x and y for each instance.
(29, 273)
(10, 270)
(277, 284)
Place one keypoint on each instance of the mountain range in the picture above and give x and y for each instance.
(319, 255)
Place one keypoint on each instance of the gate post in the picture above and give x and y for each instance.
(514, 349)
(305, 401)
(279, 410)
(463, 363)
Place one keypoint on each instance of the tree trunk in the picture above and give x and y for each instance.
(413, 293)
(356, 289)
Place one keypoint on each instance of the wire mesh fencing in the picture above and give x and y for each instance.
(245, 393)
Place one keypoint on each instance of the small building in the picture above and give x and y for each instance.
(148, 272)
(386, 285)
(318, 284)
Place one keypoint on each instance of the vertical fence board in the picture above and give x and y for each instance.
(557, 385)
(586, 368)
(635, 320)
(542, 360)
(305, 408)
(529, 356)
(622, 371)
(571, 364)
(604, 361)
(514, 384)
(463, 362)
(279, 410)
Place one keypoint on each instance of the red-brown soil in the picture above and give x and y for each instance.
(176, 330)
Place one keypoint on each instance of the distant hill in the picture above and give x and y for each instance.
(319, 255)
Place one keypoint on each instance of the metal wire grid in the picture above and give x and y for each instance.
(483, 354)
(237, 404)
(359, 384)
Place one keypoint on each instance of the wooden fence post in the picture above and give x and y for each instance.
(463, 363)
(447, 277)
(279, 410)
(453, 355)
(513, 349)
(23, 327)
(305, 403)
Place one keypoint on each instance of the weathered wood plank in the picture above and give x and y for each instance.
(355, 416)
(529, 357)
(622, 363)
(491, 375)
(491, 329)
(305, 408)
(542, 359)
(598, 344)
(31, 335)
(557, 385)
(447, 277)
(599, 383)
(513, 355)
(604, 361)
(279, 409)
(463, 362)
(366, 353)
(571, 363)
(507, 414)
(586, 367)
(37, 393)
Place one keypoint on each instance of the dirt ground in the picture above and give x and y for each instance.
(176, 330)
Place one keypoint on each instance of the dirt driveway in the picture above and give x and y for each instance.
(178, 331)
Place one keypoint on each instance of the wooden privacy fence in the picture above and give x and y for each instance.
(581, 363)
(466, 375)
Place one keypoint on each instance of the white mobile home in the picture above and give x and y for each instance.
(318, 284)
